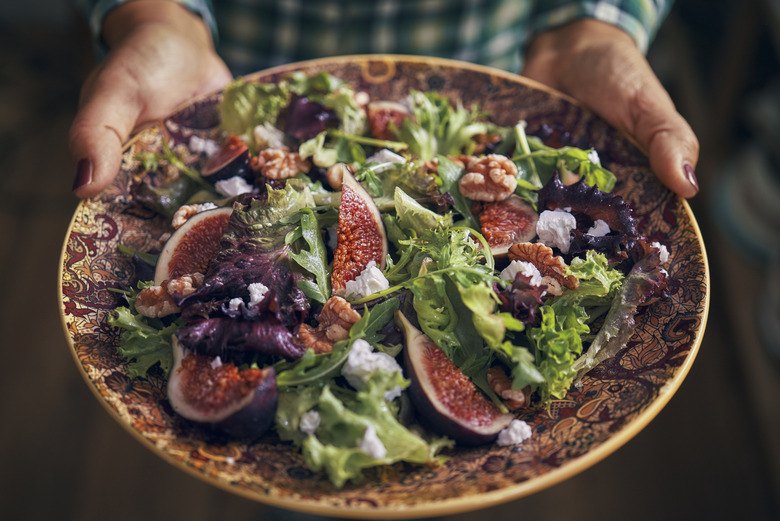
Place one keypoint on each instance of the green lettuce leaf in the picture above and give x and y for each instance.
(244, 105)
(144, 342)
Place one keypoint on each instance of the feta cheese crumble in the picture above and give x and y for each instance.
(268, 136)
(664, 251)
(216, 362)
(370, 280)
(257, 291)
(232, 187)
(385, 156)
(600, 228)
(524, 267)
(361, 363)
(310, 420)
(516, 433)
(371, 444)
(207, 146)
(234, 306)
(554, 229)
(594, 158)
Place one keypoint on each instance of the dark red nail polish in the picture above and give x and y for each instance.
(690, 175)
(83, 173)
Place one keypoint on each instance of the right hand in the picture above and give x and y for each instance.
(160, 56)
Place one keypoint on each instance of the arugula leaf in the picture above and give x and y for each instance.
(449, 173)
(314, 260)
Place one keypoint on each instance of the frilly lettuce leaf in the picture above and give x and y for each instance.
(414, 216)
(344, 417)
(245, 105)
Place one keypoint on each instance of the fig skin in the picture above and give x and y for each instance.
(476, 423)
(188, 231)
(232, 159)
(247, 416)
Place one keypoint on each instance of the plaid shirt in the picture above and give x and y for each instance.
(254, 34)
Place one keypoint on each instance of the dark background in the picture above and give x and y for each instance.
(712, 453)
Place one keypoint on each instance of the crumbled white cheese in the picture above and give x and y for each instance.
(268, 136)
(232, 187)
(216, 362)
(361, 363)
(207, 146)
(362, 98)
(554, 229)
(664, 251)
(234, 305)
(371, 444)
(370, 280)
(517, 432)
(385, 156)
(594, 157)
(600, 228)
(310, 420)
(257, 291)
(524, 267)
(230, 460)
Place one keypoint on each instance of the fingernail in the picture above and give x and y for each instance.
(83, 173)
(690, 175)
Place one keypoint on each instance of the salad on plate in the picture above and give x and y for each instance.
(375, 281)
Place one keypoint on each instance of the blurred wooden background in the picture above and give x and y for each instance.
(713, 453)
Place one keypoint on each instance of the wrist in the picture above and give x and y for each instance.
(130, 16)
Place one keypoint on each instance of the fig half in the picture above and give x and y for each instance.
(192, 246)
(231, 160)
(205, 390)
(445, 399)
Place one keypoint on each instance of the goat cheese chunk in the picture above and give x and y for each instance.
(600, 228)
(663, 250)
(310, 420)
(232, 187)
(385, 156)
(206, 146)
(554, 229)
(371, 444)
(526, 268)
(370, 280)
(363, 361)
(516, 433)
(268, 136)
(257, 291)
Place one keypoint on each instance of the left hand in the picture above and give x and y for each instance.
(601, 66)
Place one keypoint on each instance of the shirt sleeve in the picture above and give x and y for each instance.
(639, 18)
(95, 12)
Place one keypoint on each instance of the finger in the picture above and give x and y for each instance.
(108, 113)
(667, 138)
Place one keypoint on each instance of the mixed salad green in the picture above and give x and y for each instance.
(544, 321)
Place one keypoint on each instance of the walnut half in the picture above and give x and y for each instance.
(335, 320)
(489, 178)
(279, 163)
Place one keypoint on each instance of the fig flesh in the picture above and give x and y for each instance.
(508, 222)
(445, 399)
(361, 235)
(231, 160)
(192, 246)
(384, 117)
(205, 390)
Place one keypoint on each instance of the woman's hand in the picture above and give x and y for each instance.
(601, 66)
(160, 56)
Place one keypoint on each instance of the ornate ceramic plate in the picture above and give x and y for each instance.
(617, 400)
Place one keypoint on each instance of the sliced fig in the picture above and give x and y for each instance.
(205, 390)
(231, 160)
(507, 222)
(446, 399)
(192, 246)
(361, 235)
(383, 116)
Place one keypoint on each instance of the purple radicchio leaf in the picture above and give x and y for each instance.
(304, 118)
(522, 299)
(589, 204)
(218, 335)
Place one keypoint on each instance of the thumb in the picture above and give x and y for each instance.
(109, 110)
(667, 138)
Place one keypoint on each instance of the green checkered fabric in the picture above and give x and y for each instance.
(255, 34)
